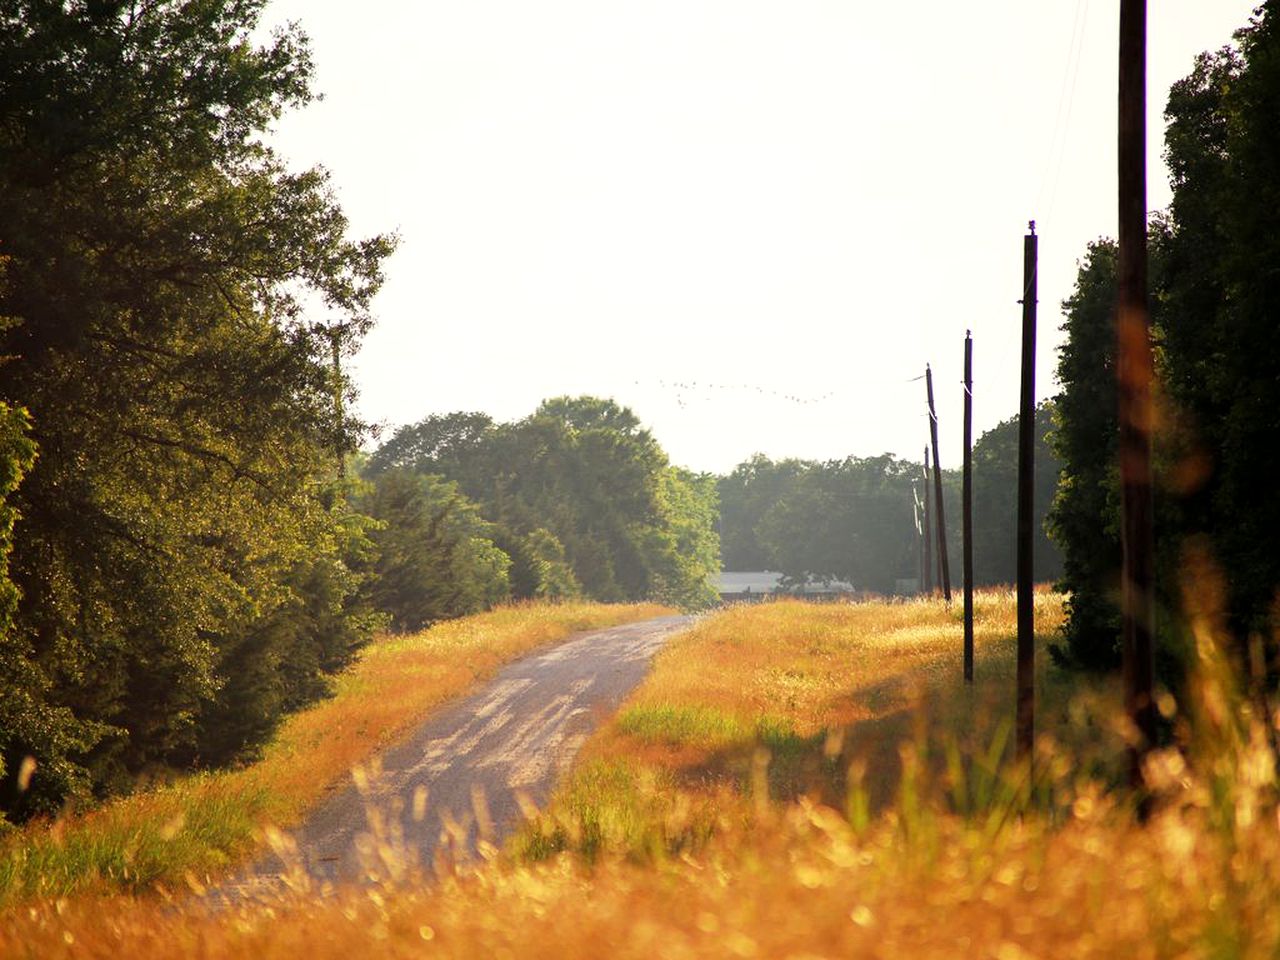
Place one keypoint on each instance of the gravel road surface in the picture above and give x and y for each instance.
(470, 762)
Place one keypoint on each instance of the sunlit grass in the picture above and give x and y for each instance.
(204, 822)
(781, 700)
(676, 838)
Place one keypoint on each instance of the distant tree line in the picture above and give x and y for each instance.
(574, 500)
(1215, 301)
(853, 520)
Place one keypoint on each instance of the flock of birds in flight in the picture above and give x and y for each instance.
(690, 391)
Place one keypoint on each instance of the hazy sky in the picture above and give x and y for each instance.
(773, 200)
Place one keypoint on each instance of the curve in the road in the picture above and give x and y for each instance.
(478, 759)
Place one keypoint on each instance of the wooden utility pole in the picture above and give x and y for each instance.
(968, 507)
(1134, 375)
(922, 558)
(1026, 504)
(944, 565)
(928, 531)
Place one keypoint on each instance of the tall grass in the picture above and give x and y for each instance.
(783, 700)
(970, 855)
(204, 822)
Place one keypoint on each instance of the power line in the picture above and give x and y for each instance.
(1066, 103)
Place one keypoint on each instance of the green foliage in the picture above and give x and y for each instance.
(1085, 517)
(28, 723)
(686, 549)
(177, 556)
(1214, 299)
(546, 573)
(853, 521)
(284, 660)
(848, 520)
(746, 495)
(1219, 309)
(995, 498)
(580, 496)
(436, 556)
(441, 443)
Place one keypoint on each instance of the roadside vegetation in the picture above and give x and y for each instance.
(197, 566)
(777, 701)
(192, 546)
(199, 824)
(799, 517)
(686, 831)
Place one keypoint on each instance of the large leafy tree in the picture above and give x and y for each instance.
(995, 493)
(182, 398)
(1215, 296)
(1221, 307)
(848, 520)
(1084, 518)
(582, 498)
(747, 494)
(26, 716)
(436, 555)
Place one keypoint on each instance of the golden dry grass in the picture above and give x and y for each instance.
(819, 689)
(205, 822)
(1063, 870)
(801, 884)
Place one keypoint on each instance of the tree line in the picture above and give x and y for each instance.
(575, 500)
(190, 545)
(853, 520)
(1215, 299)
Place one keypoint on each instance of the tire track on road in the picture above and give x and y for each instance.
(512, 739)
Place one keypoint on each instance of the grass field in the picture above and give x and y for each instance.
(814, 781)
(788, 700)
(198, 824)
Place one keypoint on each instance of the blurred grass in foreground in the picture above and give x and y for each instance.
(678, 837)
(204, 822)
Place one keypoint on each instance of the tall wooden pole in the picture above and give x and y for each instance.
(1026, 486)
(968, 507)
(928, 530)
(1134, 375)
(944, 564)
(922, 557)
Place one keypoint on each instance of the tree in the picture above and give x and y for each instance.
(746, 495)
(1084, 519)
(1220, 308)
(439, 444)
(848, 520)
(685, 547)
(181, 394)
(28, 723)
(436, 555)
(995, 489)
(581, 496)
(1214, 299)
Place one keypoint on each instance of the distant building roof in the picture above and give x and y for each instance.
(767, 581)
(759, 581)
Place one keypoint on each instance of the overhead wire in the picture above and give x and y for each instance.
(1083, 6)
(1057, 151)
(1055, 154)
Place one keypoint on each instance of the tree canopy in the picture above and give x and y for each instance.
(176, 298)
(1214, 297)
(580, 497)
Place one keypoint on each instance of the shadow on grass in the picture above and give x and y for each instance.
(653, 793)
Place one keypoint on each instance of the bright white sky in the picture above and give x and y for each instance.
(781, 198)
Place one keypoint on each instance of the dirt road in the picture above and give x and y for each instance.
(513, 736)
